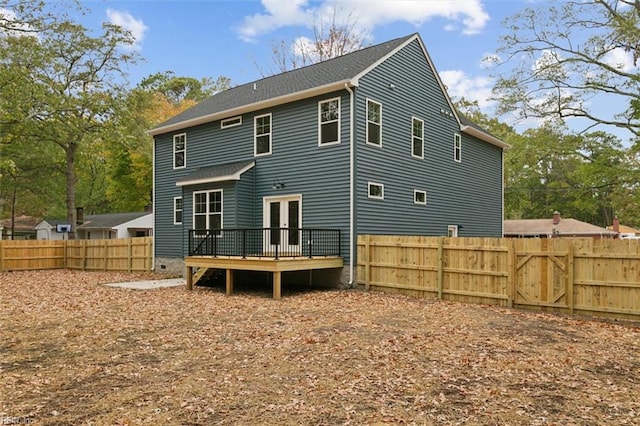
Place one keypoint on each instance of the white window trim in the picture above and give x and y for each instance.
(421, 156)
(374, 197)
(416, 192)
(457, 148)
(255, 136)
(339, 120)
(224, 125)
(175, 211)
(452, 230)
(208, 226)
(185, 150)
(367, 123)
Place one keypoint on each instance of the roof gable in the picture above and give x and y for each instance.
(301, 83)
(329, 75)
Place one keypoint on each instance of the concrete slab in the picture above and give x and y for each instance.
(149, 285)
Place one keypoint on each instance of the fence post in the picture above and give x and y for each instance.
(1, 254)
(367, 261)
(511, 271)
(106, 255)
(570, 278)
(130, 254)
(84, 255)
(440, 265)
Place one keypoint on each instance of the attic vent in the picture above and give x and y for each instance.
(254, 86)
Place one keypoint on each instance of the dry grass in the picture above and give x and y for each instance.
(75, 352)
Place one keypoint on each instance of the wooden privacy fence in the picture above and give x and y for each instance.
(576, 276)
(130, 254)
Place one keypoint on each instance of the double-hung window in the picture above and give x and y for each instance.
(374, 123)
(177, 210)
(207, 211)
(180, 151)
(457, 148)
(417, 138)
(329, 121)
(262, 129)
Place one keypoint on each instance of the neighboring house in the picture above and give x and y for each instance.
(624, 232)
(20, 228)
(101, 226)
(366, 143)
(555, 227)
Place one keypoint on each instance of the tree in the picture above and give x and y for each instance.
(565, 55)
(66, 85)
(329, 40)
(129, 149)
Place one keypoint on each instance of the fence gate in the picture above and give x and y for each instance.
(542, 272)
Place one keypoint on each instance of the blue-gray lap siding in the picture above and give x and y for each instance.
(319, 174)
(468, 194)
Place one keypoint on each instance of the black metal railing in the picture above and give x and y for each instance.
(265, 242)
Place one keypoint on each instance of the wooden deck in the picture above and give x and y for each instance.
(198, 265)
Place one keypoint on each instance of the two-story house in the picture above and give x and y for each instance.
(366, 143)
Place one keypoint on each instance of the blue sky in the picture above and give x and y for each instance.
(211, 38)
(208, 38)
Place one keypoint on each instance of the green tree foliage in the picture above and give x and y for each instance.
(557, 57)
(129, 153)
(71, 80)
(589, 177)
(581, 176)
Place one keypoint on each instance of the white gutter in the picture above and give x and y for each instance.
(483, 136)
(352, 246)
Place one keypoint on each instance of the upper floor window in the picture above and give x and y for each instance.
(457, 148)
(262, 126)
(420, 197)
(374, 123)
(230, 122)
(417, 138)
(329, 121)
(177, 210)
(207, 210)
(376, 190)
(179, 151)
(452, 230)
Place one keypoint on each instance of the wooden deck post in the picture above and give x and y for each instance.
(189, 277)
(229, 281)
(277, 281)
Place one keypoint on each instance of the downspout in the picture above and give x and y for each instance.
(352, 246)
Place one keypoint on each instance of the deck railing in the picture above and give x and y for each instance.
(265, 242)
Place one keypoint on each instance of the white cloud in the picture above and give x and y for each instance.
(620, 59)
(469, 13)
(278, 14)
(9, 26)
(461, 85)
(136, 27)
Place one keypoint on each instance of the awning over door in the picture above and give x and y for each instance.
(218, 173)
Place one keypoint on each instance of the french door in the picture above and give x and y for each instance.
(283, 217)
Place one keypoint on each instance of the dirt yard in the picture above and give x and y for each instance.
(75, 352)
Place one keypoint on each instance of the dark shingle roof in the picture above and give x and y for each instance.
(218, 172)
(110, 220)
(323, 73)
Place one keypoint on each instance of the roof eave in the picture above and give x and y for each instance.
(483, 136)
(268, 103)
